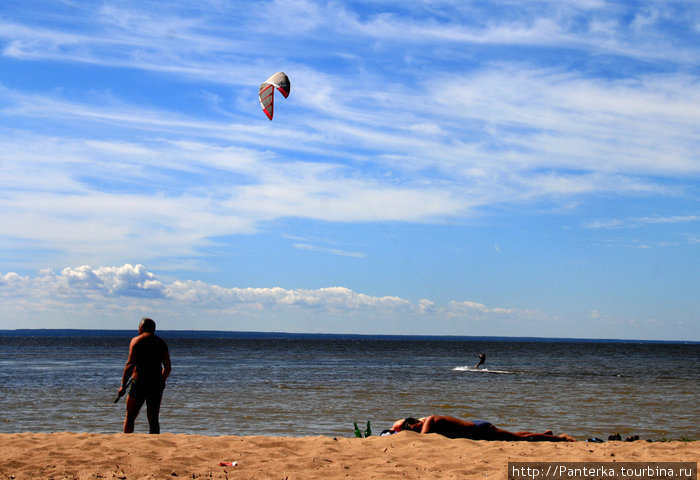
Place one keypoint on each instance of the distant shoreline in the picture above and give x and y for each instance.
(48, 332)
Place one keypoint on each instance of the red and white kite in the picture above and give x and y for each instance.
(280, 81)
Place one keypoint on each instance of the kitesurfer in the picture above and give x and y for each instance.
(482, 360)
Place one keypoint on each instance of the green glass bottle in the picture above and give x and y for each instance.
(358, 433)
(368, 431)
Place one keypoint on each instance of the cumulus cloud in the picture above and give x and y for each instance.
(136, 281)
(331, 298)
(124, 290)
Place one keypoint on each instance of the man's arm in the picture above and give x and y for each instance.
(130, 365)
(166, 364)
(428, 424)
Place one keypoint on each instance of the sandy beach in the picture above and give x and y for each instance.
(406, 455)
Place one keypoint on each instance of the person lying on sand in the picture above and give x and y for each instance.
(453, 427)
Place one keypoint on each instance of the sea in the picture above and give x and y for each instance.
(274, 384)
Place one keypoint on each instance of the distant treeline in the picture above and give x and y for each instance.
(47, 332)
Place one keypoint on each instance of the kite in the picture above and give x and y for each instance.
(280, 81)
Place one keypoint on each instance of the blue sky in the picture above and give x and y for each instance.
(440, 167)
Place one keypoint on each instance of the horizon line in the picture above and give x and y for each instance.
(58, 332)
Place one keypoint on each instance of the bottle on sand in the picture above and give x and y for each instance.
(358, 433)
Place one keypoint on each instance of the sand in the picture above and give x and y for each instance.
(406, 455)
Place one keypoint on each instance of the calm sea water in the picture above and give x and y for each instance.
(299, 387)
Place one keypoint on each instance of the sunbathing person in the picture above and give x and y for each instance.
(452, 427)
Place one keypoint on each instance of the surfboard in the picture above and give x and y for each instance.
(481, 370)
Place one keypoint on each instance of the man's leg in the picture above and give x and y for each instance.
(133, 406)
(153, 411)
(495, 433)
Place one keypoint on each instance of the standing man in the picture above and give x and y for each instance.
(148, 367)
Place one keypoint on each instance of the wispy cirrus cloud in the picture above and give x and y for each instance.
(518, 135)
(193, 42)
(334, 251)
(614, 224)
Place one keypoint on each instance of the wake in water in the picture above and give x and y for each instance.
(482, 370)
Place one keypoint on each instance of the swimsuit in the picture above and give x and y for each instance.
(144, 389)
(480, 430)
(481, 423)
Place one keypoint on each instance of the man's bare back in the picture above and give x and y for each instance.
(148, 365)
(453, 427)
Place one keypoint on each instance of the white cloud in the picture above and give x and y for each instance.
(641, 221)
(513, 135)
(548, 117)
(110, 283)
(479, 309)
(124, 290)
(333, 251)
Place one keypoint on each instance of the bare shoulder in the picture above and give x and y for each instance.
(136, 340)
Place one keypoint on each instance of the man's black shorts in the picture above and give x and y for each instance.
(144, 389)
